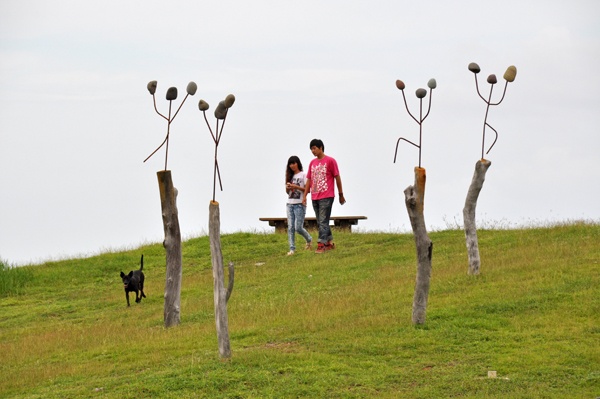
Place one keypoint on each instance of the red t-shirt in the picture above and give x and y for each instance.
(322, 173)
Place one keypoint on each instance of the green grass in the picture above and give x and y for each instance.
(336, 325)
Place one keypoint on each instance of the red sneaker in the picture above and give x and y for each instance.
(320, 248)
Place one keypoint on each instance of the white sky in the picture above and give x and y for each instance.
(76, 120)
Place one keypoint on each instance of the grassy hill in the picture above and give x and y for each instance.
(336, 325)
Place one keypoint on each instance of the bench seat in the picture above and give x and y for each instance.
(340, 222)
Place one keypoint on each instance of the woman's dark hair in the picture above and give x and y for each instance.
(317, 143)
(289, 173)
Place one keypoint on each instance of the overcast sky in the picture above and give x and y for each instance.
(76, 119)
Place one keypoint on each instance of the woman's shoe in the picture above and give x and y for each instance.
(308, 245)
(290, 253)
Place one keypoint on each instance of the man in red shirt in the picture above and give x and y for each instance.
(322, 172)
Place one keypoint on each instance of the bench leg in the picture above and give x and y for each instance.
(343, 225)
(281, 227)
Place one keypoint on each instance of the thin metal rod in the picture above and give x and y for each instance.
(216, 171)
(209, 129)
(503, 94)
(180, 105)
(223, 125)
(156, 109)
(168, 133)
(398, 142)
(216, 166)
(406, 105)
(159, 147)
(420, 128)
(477, 87)
(496, 139)
(429, 109)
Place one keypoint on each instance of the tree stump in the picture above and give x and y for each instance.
(172, 244)
(221, 295)
(481, 168)
(414, 197)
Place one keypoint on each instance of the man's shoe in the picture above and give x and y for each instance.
(330, 245)
(320, 248)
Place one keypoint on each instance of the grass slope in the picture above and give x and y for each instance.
(336, 325)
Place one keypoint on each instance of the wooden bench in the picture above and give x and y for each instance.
(340, 222)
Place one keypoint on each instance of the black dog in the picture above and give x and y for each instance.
(134, 281)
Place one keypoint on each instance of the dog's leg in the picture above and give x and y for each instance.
(142, 289)
(127, 296)
(137, 297)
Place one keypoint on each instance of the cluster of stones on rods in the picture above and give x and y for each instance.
(420, 93)
(220, 114)
(509, 76)
(171, 95)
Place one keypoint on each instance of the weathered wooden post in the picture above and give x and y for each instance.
(170, 215)
(172, 244)
(221, 295)
(414, 198)
(481, 168)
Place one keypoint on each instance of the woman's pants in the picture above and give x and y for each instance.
(295, 216)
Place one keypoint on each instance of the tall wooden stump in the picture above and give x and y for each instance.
(481, 168)
(220, 293)
(172, 244)
(414, 197)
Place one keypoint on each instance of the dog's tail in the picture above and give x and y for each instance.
(142, 262)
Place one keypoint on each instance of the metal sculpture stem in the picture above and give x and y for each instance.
(216, 138)
(168, 134)
(487, 109)
(420, 128)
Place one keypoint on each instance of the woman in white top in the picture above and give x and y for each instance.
(295, 181)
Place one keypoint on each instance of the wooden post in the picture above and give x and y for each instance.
(414, 197)
(172, 244)
(220, 293)
(481, 168)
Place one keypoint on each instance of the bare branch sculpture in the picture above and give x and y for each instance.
(481, 168)
(414, 197)
(170, 214)
(221, 295)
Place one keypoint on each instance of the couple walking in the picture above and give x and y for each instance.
(319, 182)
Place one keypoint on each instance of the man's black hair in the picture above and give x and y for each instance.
(317, 143)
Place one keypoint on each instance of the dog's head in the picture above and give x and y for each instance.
(126, 278)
